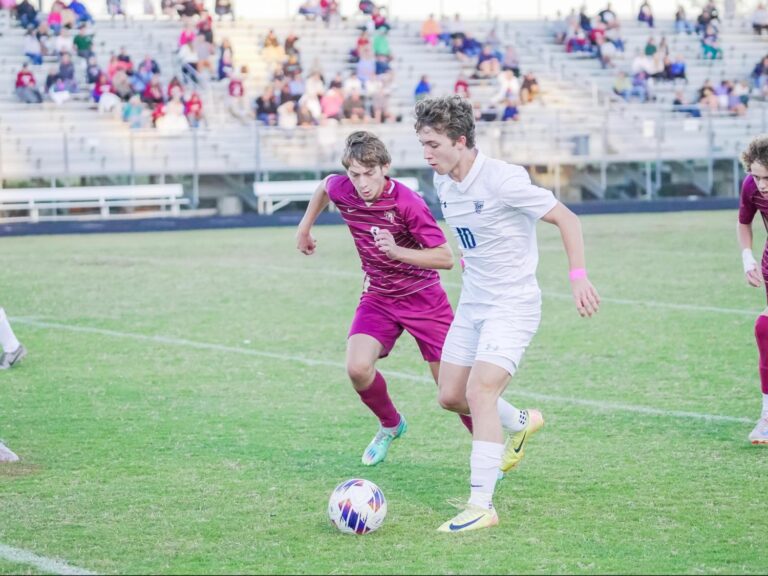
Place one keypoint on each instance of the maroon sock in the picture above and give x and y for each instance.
(377, 399)
(467, 421)
(761, 336)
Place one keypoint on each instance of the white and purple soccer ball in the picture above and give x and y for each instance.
(357, 506)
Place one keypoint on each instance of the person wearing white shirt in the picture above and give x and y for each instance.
(492, 209)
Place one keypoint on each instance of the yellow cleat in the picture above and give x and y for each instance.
(472, 518)
(514, 450)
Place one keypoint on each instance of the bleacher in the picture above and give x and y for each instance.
(574, 122)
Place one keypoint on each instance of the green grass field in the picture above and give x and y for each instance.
(184, 409)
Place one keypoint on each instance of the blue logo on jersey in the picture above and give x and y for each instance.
(479, 206)
(466, 238)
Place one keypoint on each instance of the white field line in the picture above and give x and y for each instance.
(597, 404)
(19, 556)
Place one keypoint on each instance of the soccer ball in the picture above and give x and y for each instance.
(357, 506)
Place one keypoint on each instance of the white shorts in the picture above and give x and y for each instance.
(493, 334)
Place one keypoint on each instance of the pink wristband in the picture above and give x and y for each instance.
(577, 274)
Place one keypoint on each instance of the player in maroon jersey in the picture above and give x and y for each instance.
(400, 246)
(754, 199)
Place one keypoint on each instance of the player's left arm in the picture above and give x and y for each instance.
(584, 294)
(439, 257)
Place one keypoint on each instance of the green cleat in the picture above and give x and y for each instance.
(377, 449)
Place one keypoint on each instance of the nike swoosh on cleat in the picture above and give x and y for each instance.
(476, 485)
(455, 527)
(521, 444)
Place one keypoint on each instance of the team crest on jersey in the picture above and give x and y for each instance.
(390, 216)
(479, 206)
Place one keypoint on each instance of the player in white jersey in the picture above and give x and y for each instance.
(492, 209)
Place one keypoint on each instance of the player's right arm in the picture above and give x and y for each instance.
(305, 242)
(751, 271)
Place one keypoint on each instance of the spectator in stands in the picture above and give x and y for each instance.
(153, 93)
(585, 22)
(187, 35)
(147, 68)
(760, 74)
(81, 12)
(193, 110)
(173, 120)
(225, 62)
(366, 66)
(26, 86)
(332, 102)
(511, 111)
(58, 91)
(174, 86)
(508, 87)
(205, 26)
(710, 44)
(42, 32)
(125, 59)
(760, 19)
(675, 70)
(488, 65)
(266, 107)
(64, 43)
(423, 88)
(354, 109)
(205, 52)
(121, 85)
(461, 86)
(366, 7)
(133, 112)
(32, 47)
(738, 98)
(92, 71)
(236, 104)
(645, 14)
(608, 17)
(115, 8)
(529, 89)
(287, 118)
(67, 72)
(606, 52)
(680, 104)
(707, 17)
(681, 21)
(650, 47)
(26, 14)
(54, 17)
(622, 85)
(640, 88)
(379, 19)
(577, 42)
(707, 97)
(430, 31)
(510, 60)
(188, 59)
(83, 42)
(310, 9)
(224, 8)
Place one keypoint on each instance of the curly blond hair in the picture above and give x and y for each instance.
(757, 151)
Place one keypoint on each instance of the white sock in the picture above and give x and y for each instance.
(8, 341)
(512, 419)
(765, 404)
(484, 463)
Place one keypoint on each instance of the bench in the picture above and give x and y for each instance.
(271, 196)
(166, 199)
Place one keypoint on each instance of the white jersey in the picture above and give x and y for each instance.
(493, 214)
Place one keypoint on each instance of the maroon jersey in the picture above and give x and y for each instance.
(750, 203)
(399, 210)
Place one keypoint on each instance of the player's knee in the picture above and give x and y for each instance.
(453, 400)
(361, 373)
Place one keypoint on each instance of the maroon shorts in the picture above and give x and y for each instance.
(426, 315)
